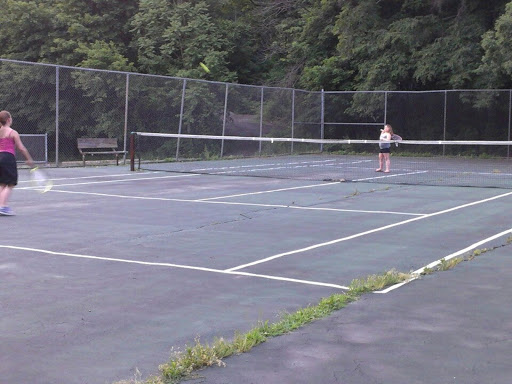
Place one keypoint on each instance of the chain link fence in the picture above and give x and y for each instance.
(62, 104)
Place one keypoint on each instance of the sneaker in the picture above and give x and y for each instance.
(6, 211)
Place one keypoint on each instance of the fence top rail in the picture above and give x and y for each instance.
(245, 85)
(143, 74)
(430, 91)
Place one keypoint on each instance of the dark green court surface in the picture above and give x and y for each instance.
(111, 269)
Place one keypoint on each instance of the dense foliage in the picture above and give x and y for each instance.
(310, 44)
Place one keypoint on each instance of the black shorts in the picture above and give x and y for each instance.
(385, 150)
(8, 169)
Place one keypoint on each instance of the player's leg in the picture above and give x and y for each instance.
(8, 180)
(381, 158)
(388, 162)
(5, 193)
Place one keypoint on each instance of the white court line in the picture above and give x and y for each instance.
(154, 264)
(357, 211)
(237, 203)
(112, 181)
(263, 165)
(309, 208)
(209, 200)
(365, 233)
(416, 274)
(267, 169)
(269, 191)
(90, 177)
(273, 166)
(390, 175)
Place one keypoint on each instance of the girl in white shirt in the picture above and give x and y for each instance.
(385, 148)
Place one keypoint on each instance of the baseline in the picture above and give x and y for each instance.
(112, 181)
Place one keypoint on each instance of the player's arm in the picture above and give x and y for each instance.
(21, 147)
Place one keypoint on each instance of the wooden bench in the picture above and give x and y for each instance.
(97, 146)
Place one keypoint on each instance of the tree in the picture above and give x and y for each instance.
(86, 22)
(495, 70)
(26, 36)
(172, 39)
(102, 55)
(313, 44)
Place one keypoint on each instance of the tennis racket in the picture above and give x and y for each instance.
(395, 137)
(39, 180)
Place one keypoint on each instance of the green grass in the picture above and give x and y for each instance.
(377, 282)
(446, 265)
(193, 358)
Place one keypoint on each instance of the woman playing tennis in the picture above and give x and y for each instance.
(9, 142)
(385, 148)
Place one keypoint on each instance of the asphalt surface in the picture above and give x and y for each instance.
(449, 327)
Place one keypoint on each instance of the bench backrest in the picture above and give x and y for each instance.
(102, 142)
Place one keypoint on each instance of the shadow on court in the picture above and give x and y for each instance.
(111, 269)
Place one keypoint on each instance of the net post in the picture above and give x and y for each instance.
(132, 151)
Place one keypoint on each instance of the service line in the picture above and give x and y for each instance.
(361, 234)
(236, 203)
(211, 199)
(170, 265)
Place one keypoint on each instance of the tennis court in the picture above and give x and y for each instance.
(112, 268)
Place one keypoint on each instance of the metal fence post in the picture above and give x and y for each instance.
(261, 119)
(181, 118)
(293, 118)
(57, 116)
(322, 118)
(444, 119)
(224, 120)
(385, 107)
(509, 120)
(126, 116)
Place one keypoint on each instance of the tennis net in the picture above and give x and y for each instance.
(447, 163)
